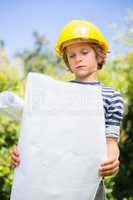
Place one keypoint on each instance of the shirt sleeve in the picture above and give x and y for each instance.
(11, 105)
(114, 115)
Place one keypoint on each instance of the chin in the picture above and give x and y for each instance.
(82, 74)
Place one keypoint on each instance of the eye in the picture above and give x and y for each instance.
(85, 52)
(71, 56)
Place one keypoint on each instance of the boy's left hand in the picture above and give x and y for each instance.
(109, 167)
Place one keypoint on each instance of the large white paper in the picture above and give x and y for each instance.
(62, 141)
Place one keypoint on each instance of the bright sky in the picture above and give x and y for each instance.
(18, 18)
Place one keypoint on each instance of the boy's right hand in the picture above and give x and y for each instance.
(15, 157)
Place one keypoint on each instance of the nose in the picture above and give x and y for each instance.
(78, 58)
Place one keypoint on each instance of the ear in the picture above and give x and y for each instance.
(100, 59)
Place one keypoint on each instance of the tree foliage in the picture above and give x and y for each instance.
(122, 187)
(123, 181)
(8, 128)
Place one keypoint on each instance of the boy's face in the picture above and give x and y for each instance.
(82, 60)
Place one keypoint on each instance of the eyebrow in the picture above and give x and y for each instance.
(82, 49)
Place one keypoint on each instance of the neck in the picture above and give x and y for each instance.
(87, 79)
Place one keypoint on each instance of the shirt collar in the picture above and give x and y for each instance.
(85, 83)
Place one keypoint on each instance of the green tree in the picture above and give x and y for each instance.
(8, 128)
(123, 181)
(122, 187)
(40, 58)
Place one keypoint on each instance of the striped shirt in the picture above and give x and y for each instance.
(113, 108)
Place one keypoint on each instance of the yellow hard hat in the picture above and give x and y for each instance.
(80, 29)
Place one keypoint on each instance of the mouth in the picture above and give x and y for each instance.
(79, 67)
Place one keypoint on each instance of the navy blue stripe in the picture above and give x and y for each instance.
(86, 83)
(107, 88)
(117, 95)
(112, 134)
(105, 109)
(115, 108)
(118, 113)
(107, 101)
(114, 118)
(112, 123)
(106, 95)
(107, 91)
(117, 101)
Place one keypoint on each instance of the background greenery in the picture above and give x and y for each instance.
(117, 72)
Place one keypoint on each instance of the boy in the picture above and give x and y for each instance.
(83, 48)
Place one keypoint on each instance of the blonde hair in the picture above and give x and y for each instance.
(98, 51)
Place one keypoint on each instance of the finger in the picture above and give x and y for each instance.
(110, 166)
(15, 162)
(109, 172)
(108, 161)
(14, 156)
(15, 159)
(106, 174)
(14, 165)
(15, 151)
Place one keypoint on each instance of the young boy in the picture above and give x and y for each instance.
(83, 48)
